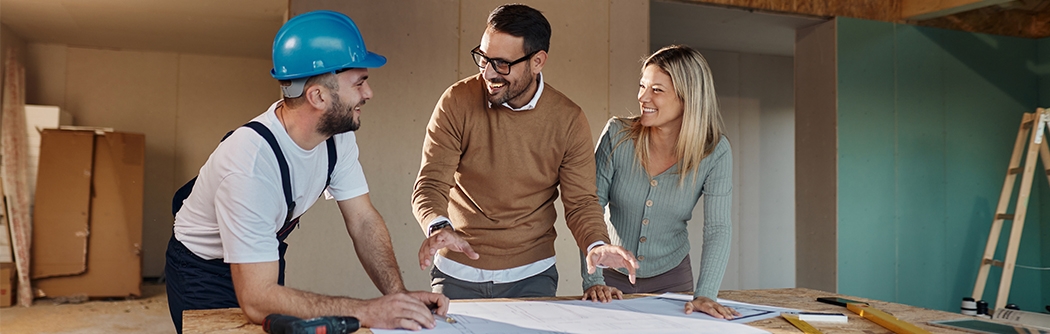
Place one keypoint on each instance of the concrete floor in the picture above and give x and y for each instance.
(147, 314)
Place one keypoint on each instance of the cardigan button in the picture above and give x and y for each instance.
(649, 203)
(645, 221)
(642, 239)
(653, 183)
(642, 257)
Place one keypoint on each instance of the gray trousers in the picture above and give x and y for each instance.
(678, 279)
(544, 284)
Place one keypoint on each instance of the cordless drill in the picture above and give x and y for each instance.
(286, 324)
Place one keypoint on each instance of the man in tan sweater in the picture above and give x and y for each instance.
(498, 146)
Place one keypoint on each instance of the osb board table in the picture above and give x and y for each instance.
(233, 321)
(806, 300)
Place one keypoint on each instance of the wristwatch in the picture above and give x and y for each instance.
(437, 226)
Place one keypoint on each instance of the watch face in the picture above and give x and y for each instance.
(438, 226)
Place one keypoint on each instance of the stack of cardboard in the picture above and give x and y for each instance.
(87, 236)
(39, 118)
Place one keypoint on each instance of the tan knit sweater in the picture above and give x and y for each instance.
(495, 172)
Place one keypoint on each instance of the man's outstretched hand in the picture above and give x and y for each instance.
(444, 238)
(612, 257)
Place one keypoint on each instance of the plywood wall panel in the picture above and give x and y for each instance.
(421, 42)
(216, 94)
(427, 44)
(579, 49)
(133, 91)
(628, 44)
(578, 66)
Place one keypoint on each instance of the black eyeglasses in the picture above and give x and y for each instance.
(501, 66)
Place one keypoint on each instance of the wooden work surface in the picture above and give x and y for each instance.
(232, 320)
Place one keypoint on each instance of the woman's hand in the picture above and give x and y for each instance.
(602, 293)
(712, 308)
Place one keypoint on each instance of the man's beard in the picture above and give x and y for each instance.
(338, 118)
(512, 91)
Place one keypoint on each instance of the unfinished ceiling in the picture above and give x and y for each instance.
(243, 28)
(725, 29)
(1019, 18)
(1023, 18)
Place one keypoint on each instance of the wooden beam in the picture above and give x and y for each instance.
(1027, 18)
(879, 10)
(992, 20)
(919, 10)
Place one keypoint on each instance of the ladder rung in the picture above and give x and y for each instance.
(1027, 124)
(993, 262)
(1004, 216)
(1014, 171)
(1048, 172)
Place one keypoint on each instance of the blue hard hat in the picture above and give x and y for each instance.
(319, 42)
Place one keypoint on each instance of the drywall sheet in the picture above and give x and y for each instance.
(866, 235)
(927, 120)
(62, 203)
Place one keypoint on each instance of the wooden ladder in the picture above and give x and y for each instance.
(1037, 144)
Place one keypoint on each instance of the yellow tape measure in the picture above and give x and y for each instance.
(885, 319)
(802, 325)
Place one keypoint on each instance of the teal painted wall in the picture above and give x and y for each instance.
(926, 124)
(1042, 68)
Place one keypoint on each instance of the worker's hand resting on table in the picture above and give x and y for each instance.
(408, 310)
(712, 308)
(443, 238)
(602, 293)
(612, 257)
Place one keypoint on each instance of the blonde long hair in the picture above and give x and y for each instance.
(702, 126)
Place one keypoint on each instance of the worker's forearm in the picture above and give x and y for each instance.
(372, 243)
(376, 254)
(260, 296)
(302, 304)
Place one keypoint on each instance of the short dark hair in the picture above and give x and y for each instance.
(519, 20)
(327, 80)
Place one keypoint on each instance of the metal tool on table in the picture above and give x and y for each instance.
(802, 325)
(875, 315)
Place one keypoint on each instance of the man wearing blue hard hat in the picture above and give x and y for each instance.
(231, 221)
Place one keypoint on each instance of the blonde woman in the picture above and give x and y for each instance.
(651, 171)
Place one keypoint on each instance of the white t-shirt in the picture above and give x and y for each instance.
(237, 204)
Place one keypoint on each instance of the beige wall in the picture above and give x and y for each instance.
(183, 103)
(815, 158)
(594, 55)
(757, 104)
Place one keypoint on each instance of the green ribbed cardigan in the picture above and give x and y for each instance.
(627, 189)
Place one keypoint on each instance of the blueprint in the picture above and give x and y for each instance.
(658, 314)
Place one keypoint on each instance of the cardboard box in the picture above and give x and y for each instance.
(7, 284)
(37, 119)
(87, 234)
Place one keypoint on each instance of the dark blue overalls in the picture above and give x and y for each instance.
(194, 283)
